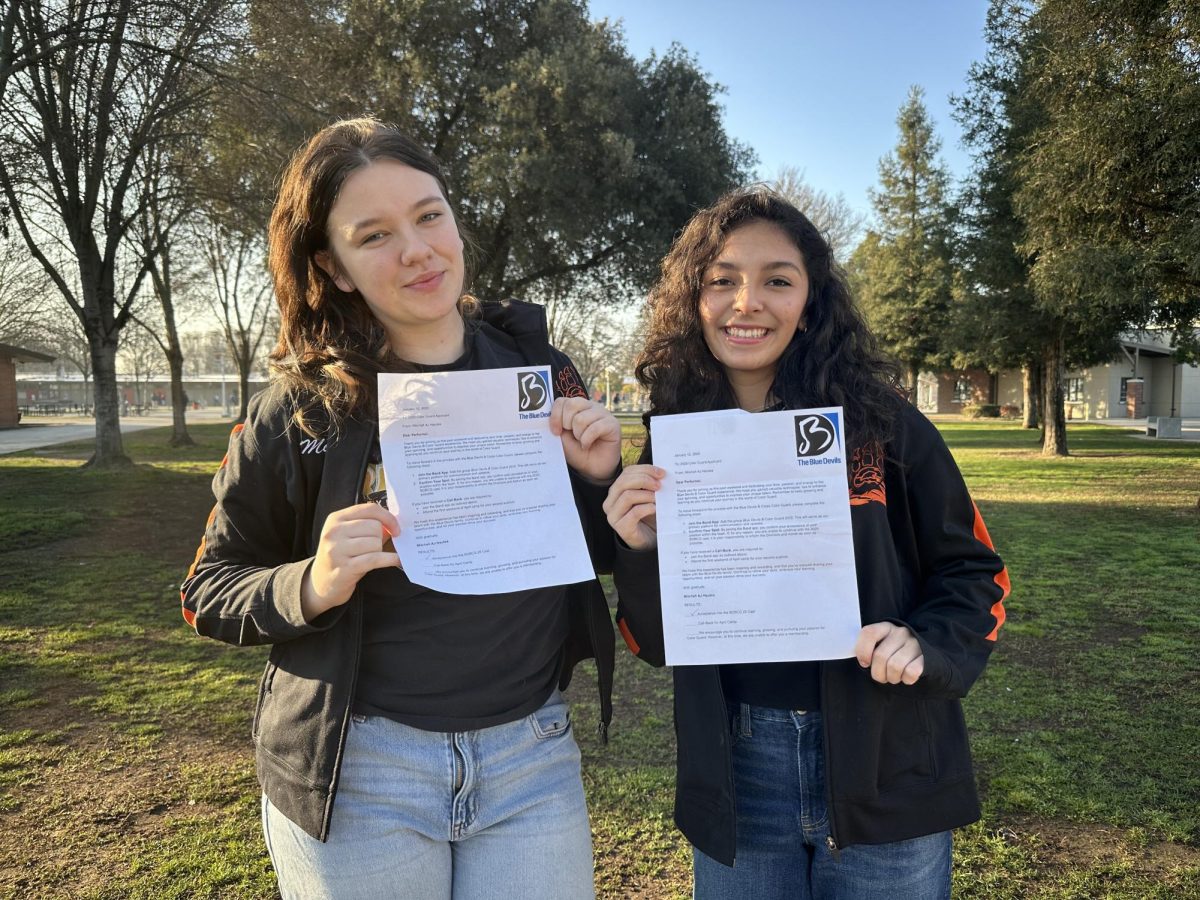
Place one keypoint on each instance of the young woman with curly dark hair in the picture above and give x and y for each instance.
(840, 778)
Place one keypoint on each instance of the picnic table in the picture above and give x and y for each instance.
(54, 408)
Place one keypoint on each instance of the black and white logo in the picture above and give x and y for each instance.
(815, 434)
(533, 389)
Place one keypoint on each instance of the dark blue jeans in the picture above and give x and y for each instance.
(783, 827)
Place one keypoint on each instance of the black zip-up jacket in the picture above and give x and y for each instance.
(897, 760)
(274, 490)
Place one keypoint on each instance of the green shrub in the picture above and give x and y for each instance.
(981, 411)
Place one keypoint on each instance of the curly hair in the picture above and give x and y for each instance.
(330, 345)
(834, 361)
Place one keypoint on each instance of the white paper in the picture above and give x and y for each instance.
(478, 482)
(755, 551)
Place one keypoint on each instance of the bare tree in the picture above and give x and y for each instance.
(9, 53)
(78, 119)
(167, 207)
(65, 338)
(595, 345)
(23, 289)
(196, 356)
(241, 297)
(841, 224)
(17, 52)
(141, 356)
(597, 337)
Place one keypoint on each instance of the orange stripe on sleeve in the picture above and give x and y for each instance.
(237, 429)
(629, 639)
(1001, 577)
(981, 532)
(188, 615)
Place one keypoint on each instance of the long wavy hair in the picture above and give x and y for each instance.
(834, 361)
(330, 345)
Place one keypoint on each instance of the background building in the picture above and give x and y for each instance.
(1145, 379)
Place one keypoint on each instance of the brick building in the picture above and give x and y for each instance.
(10, 415)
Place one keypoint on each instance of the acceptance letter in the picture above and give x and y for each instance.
(478, 482)
(756, 557)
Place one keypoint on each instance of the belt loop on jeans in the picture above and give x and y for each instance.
(744, 728)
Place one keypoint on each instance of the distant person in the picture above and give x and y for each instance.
(409, 743)
(841, 778)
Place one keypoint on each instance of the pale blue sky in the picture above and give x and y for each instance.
(817, 85)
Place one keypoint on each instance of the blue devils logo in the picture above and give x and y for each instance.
(816, 433)
(533, 389)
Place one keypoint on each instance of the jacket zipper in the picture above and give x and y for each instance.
(264, 690)
(831, 839)
(358, 626)
(727, 749)
(601, 725)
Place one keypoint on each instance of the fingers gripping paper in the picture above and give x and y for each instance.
(478, 482)
(755, 551)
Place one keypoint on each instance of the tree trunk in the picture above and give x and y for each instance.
(243, 359)
(914, 375)
(1032, 382)
(179, 401)
(179, 432)
(110, 451)
(1039, 373)
(243, 392)
(1054, 433)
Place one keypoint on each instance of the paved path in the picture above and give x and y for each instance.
(45, 431)
(38, 431)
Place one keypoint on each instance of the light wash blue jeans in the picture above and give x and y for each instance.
(494, 814)
(783, 823)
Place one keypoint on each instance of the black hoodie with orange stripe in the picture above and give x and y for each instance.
(898, 764)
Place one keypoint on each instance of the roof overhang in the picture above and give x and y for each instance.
(20, 354)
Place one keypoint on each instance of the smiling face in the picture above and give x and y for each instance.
(393, 238)
(751, 303)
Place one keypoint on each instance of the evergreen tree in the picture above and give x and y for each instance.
(1110, 181)
(902, 269)
(1002, 316)
(995, 321)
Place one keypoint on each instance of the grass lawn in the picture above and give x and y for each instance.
(126, 768)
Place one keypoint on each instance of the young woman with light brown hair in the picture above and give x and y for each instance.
(408, 742)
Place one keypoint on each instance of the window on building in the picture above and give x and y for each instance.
(1074, 393)
(962, 389)
(1124, 389)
